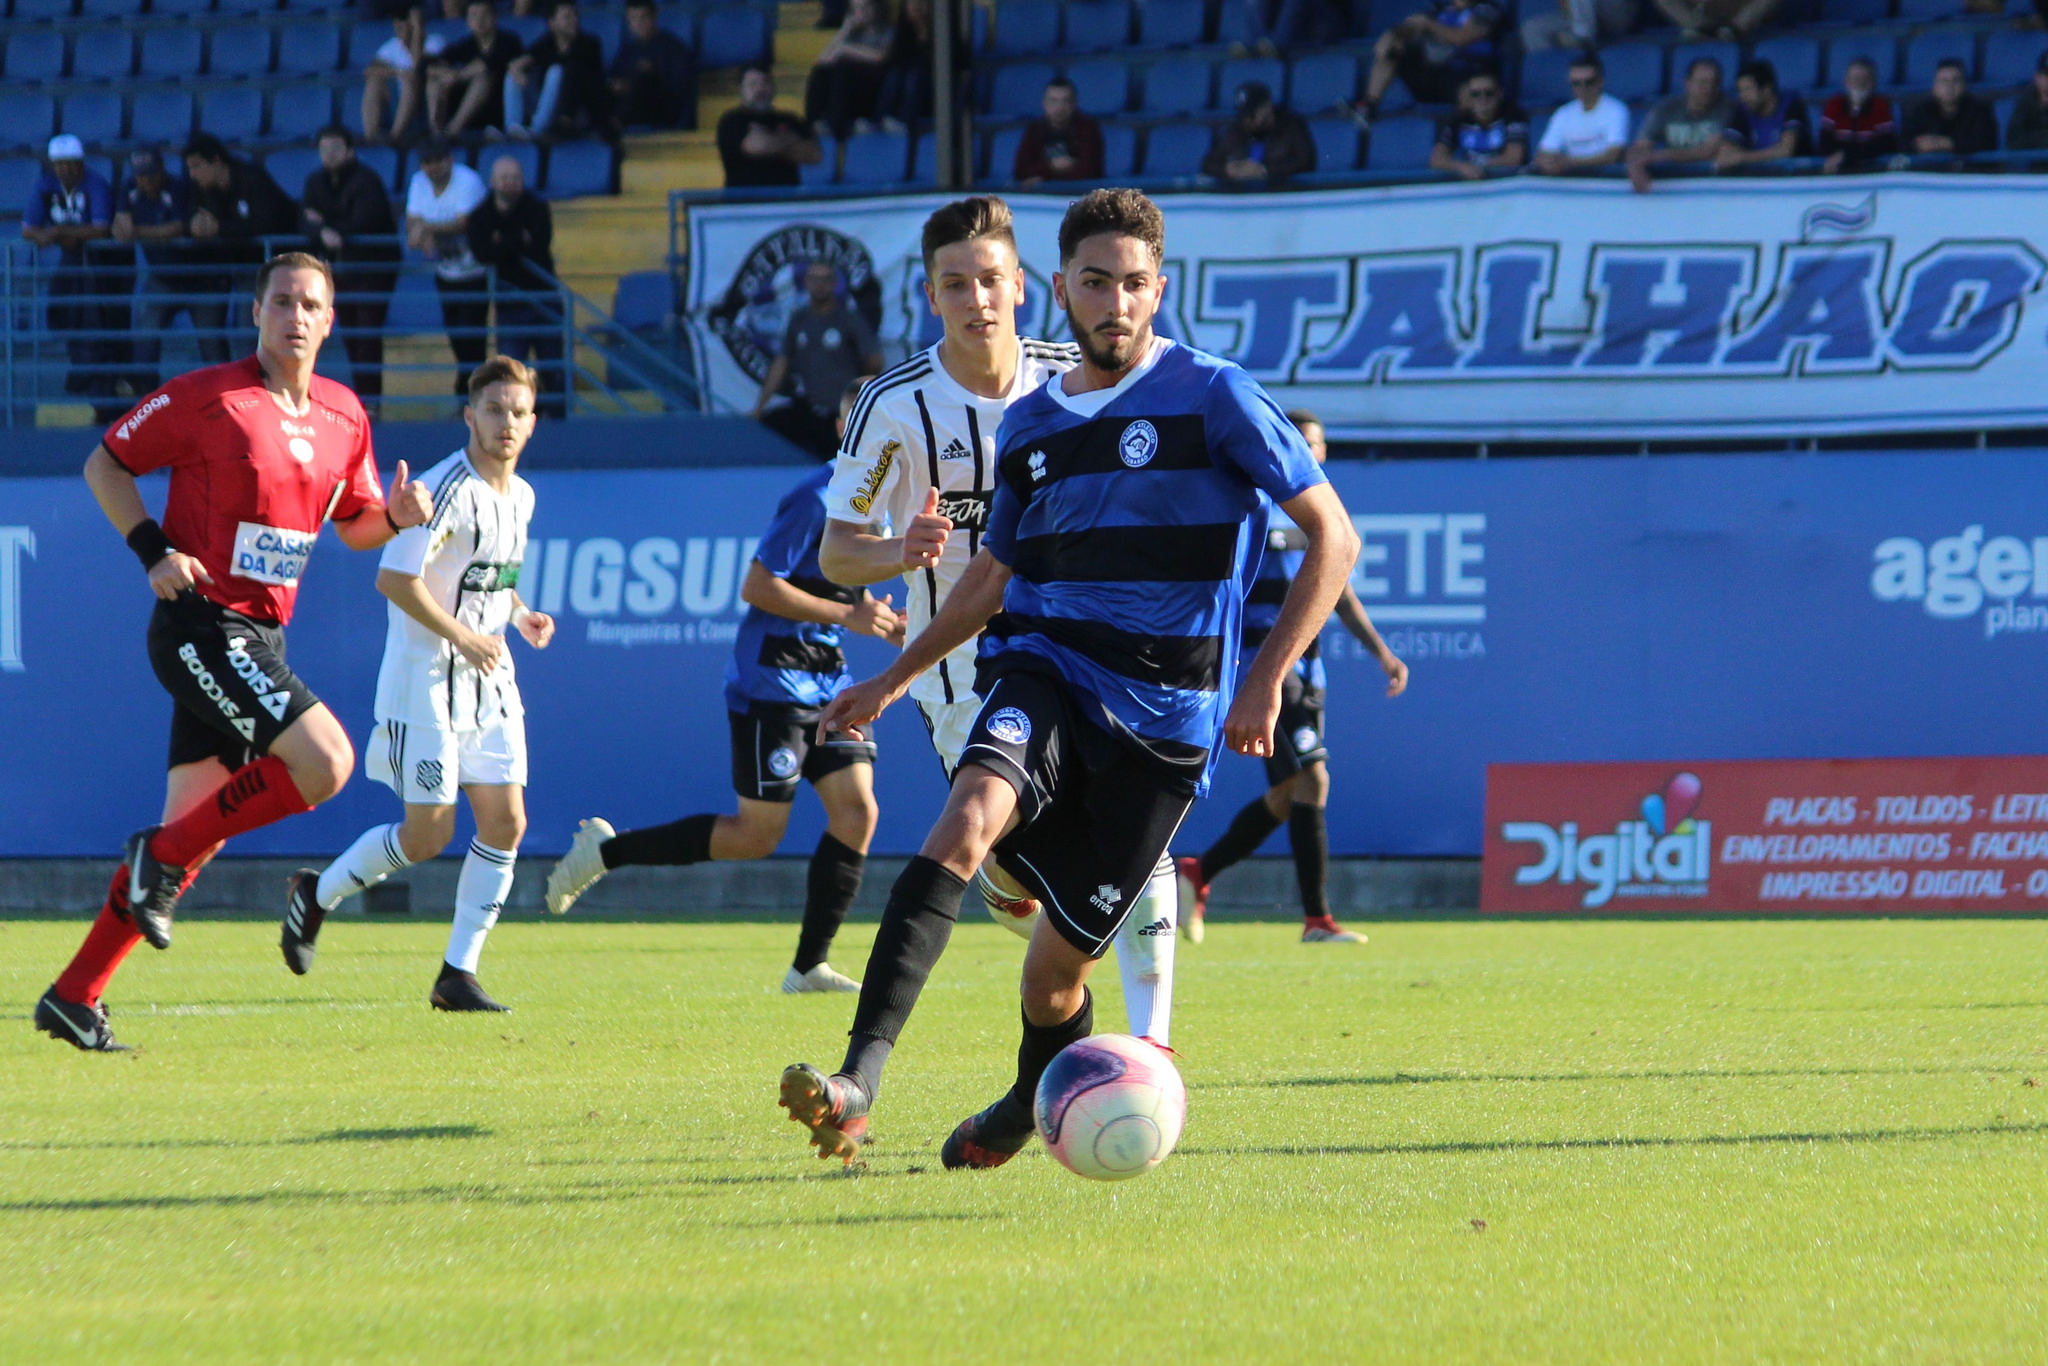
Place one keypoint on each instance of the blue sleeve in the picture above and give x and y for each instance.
(1249, 431)
(37, 214)
(798, 527)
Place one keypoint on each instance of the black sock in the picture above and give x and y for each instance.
(1308, 832)
(673, 845)
(916, 924)
(1041, 1044)
(833, 883)
(1248, 830)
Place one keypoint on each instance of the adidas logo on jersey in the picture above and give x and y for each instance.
(956, 449)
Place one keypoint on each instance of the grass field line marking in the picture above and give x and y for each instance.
(1675, 1074)
(1514, 1145)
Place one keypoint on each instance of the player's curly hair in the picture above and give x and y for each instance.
(293, 260)
(501, 370)
(1126, 213)
(967, 220)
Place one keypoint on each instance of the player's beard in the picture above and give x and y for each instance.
(1112, 357)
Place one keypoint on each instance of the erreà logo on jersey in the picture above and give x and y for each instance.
(1668, 853)
(1036, 463)
(141, 415)
(863, 500)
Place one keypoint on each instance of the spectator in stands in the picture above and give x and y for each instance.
(1484, 133)
(1734, 21)
(1262, 145)
(1951, 121)
(1583, 24)
(400, 65)
(438, 204)
(513, 231)
(150, 211)
(654, 73)
(2027, 129)
(1768, 124)
(1857, 126)
(826, 346)
(760, 144)
(1433, 52)
(235, 204)
(1269, 27)
(1685, 129)
(1064, 145)
(345, 210)
(846, 81)
(906, 98)
(471, 74)
(71, 205)
(564, 73)
(1590, 130)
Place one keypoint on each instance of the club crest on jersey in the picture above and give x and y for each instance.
(1139, 443)
(863, 500)
(483, 576)
(782, 763)
(427, 776)
(1010, 725)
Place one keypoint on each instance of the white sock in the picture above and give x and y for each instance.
(1144, 955)
(479, 895)
(374, 856)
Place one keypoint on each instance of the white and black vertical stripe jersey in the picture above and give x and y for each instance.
(916, 428)
(468, 556)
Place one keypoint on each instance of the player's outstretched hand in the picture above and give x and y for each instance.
(410, 503)
(924, 540)
(175, 573)
(479, 649)
(874, 617)
(856, 706)
(1397, 674)
(1248, 729)
(537, 627)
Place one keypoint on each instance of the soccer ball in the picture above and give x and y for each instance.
(1111, 1107)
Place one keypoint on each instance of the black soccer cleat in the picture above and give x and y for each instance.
(459, 990)
(83, 1027)
(303, 916)
(834, 1109)
(153, 889)
(988, 1139)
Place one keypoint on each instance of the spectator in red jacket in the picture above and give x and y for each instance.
(1858, 127)
(1064, 145)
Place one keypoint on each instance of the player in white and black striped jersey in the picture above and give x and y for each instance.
(910, 496)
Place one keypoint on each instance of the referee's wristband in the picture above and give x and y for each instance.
(148, 542)
(391, 521)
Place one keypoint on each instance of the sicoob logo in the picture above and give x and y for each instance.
(1666, 853)
(767, 290)
(140, 416)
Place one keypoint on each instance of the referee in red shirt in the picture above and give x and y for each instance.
(261, 452)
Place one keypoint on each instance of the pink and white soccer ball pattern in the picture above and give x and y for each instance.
(1111, 1107)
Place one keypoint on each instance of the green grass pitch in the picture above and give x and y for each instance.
(1465, 1142)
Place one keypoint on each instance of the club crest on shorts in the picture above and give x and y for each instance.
(1304, 739)
(782, 763)
(427, 775)
(1010, 725)
(1139, 443)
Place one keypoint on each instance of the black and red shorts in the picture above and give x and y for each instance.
(227, 675)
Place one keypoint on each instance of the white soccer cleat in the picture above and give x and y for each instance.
(1324, 930)
(580, 867)
(823, 977)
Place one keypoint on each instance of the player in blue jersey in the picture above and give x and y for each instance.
(785, 666)
(1297, 768)
(1111, 583)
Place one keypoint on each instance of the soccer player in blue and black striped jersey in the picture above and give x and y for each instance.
(1112, 585)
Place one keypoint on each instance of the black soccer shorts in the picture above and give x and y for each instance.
(1298, 734)
(774, 748)
(1094, 816)
(227, 675)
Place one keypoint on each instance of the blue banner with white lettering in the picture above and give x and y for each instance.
(1685, 608)
(1524, 308)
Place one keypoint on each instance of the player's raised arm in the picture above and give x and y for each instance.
(1325, 568)
(977, 597)
(171, 571)
(856, 555)
(409, 505)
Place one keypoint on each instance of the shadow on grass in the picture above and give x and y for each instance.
(1673, 1074)
(1508, 1145)
(395, 1135)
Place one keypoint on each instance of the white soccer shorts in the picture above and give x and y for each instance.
(949, 724)
(426, 766)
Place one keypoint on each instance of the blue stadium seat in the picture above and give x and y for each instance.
(32, 10)
(924, 160)
(1176, 149)
(1178, 85)
(27, 118)
(170, 54)
(824, 172)
(1879, 47)
(1929, 11)
(733, 37)
(365, 38)
(103, 54)
(1925, 51)
(1102, 86)
(2009, 58)
(1336, 144)
(1119, 151)
(299, 112)
(1855, 11)
(525, 27)
(645, 300)
(999, 155)
(1026, 28)
(309, 49)
(580, 168)
(34, 57)
(1637, 69)
(290, 167)
(876, 158)
(1684, 55)
(94, 115)
(1796, 59)
(163, 116)
(350, 101)
(1271, 71)
(239, 50)
(1322, 81)
(1017, 91)
(18, 177)
(1546, 76)
(233, 115)
(1170, 23)
(1371, 18)
(2001, 114)
(107, 9)
(1400, 144)
(245, 6)
(315, 6)
(1098, 25)
(162, 9)
(389, 163)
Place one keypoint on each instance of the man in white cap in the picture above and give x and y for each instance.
(69, 207)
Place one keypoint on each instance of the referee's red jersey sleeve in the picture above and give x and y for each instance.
(361, 490)
(156, 431)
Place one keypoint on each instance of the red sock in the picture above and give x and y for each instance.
(106, 944)
(254, 796)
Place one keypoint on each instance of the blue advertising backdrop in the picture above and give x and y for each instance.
(1720, 607)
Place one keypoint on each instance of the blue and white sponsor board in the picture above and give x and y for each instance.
(1525, 308)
